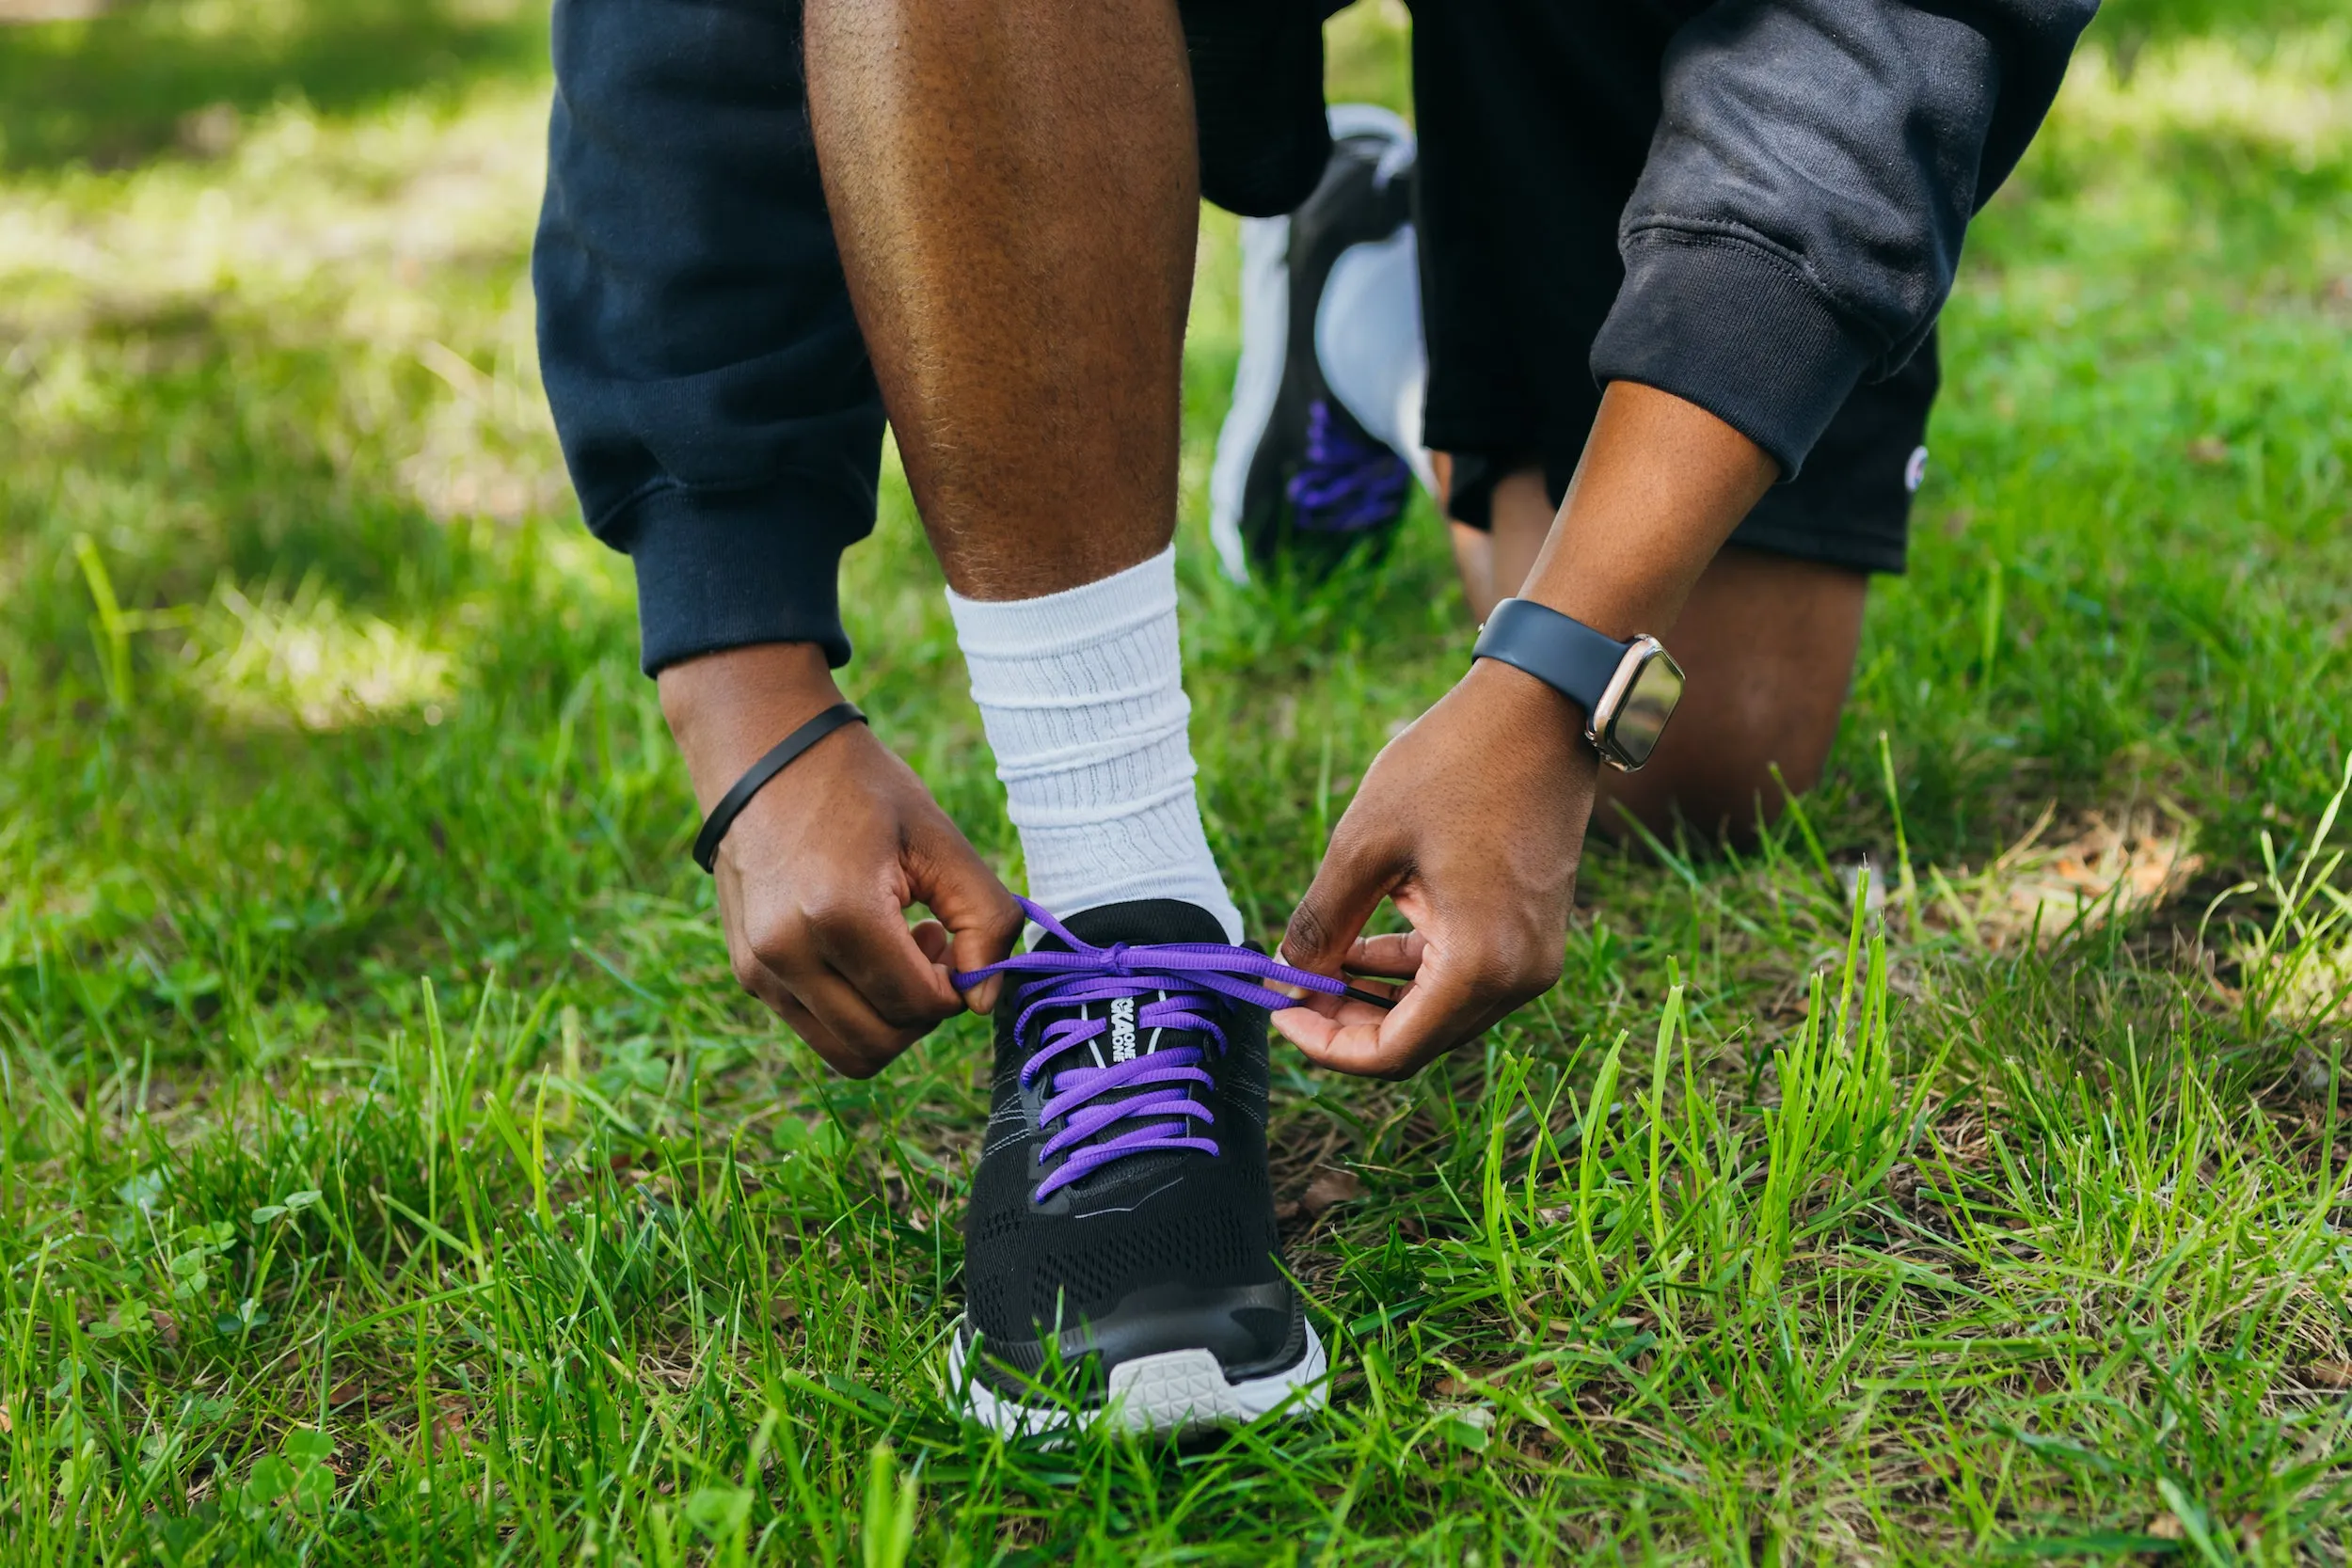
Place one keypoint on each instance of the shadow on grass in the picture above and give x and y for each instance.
(137, 80)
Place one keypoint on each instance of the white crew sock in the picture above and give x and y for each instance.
(1369, 344)
(1082, 695)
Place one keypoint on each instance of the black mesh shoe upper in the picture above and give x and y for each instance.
(1153, 1252)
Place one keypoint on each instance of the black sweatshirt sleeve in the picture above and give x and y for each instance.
(1800, 219)
(709, 384)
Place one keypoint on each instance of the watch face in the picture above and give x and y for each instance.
(1641, 719)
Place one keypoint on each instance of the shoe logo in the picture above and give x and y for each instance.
(1122, 1028)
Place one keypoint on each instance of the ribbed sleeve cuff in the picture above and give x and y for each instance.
(1737, 330)
(734, 568)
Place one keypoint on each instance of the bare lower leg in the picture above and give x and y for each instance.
(1474, 563)
(1495, 561)
(1015, 192)
(1769, 643)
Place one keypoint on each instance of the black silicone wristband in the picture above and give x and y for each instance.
(778, 758)
(1562, 652)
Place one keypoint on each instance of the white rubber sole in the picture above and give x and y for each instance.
(1176, 1391)
(1265, 314)
(1368, 340)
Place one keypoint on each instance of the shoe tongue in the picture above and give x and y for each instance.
(1141, 920)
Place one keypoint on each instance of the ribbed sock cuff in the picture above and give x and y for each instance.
(995, 630)
(1082, 695)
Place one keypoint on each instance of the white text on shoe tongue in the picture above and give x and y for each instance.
(1122, 1028)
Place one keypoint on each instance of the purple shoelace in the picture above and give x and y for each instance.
(1164, 985)
(1348, 484)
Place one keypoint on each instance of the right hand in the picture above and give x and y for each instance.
(815, 873)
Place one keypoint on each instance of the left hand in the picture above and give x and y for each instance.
(1472, 821)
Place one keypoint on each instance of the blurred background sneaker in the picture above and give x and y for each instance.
(1320, 451)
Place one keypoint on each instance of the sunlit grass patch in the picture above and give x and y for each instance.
(2295, 97)
(2296, 966)
(2048, 885)
(307, 662)
(295, 208)
(1791, 1227)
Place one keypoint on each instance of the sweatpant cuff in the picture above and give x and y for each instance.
(735, 568)
(1736, 329)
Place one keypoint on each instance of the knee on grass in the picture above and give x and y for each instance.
(1718, 789)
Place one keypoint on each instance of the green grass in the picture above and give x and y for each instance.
(389, 1170)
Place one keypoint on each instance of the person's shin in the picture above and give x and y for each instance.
(1768, 642)
(1082, 695)
(1494, 560)
(1474, 563)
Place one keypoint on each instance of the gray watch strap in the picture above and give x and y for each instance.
(1559, 650)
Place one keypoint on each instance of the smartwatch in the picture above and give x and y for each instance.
(1626, 690)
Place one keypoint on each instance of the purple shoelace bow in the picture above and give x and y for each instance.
(1168, 986)
(1348, 484)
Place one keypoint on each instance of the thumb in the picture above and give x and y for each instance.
(1356, 874)
(969, 898)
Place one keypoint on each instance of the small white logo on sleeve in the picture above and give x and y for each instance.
(1917, 469)
(1122, 1028)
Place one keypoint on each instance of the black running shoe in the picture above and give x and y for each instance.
(1296, 473)
(1121, 1257)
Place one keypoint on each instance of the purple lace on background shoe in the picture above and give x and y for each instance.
(1349, 484)
(1173, 986)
